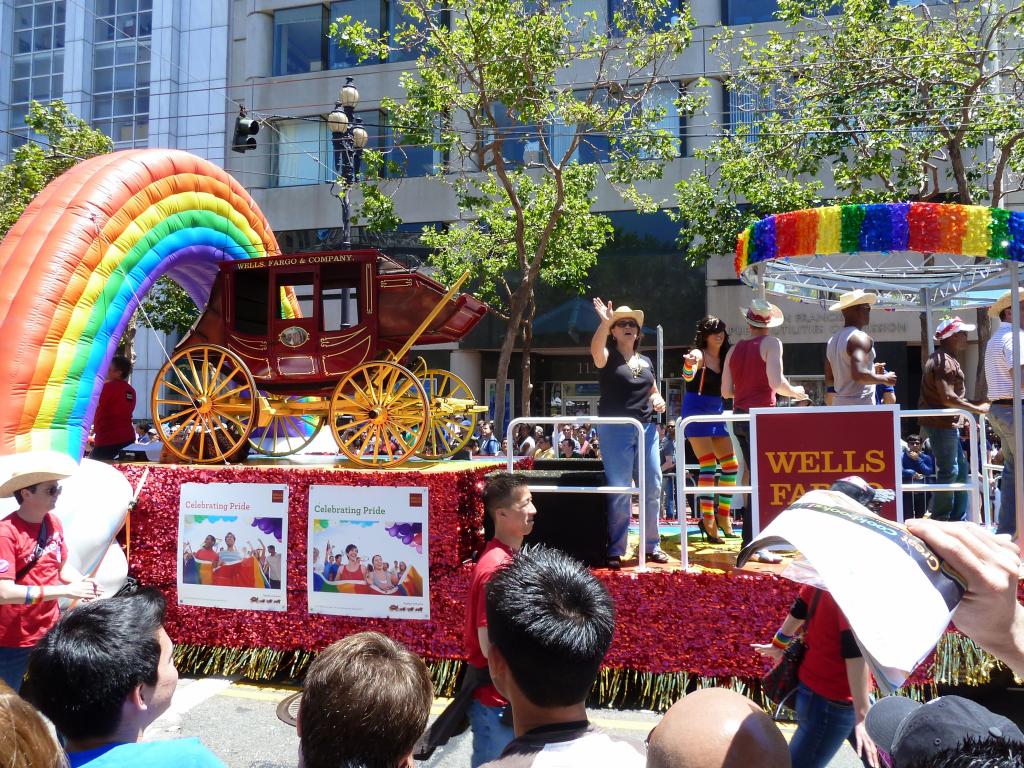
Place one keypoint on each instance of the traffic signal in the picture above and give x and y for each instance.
(245, 129)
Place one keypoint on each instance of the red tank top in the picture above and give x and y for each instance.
(750, 376)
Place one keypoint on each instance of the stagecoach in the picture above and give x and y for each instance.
(291, 343)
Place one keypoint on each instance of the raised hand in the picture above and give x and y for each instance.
(604, 312)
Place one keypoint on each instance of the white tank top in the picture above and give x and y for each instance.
(848, 391)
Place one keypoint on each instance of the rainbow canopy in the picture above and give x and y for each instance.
(936, 248)
(75, 266)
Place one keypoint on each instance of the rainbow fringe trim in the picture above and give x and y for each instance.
(959, 230)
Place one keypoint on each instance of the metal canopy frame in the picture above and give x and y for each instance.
(908, 281)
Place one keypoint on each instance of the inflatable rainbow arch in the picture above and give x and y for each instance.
(958, 230)
(74, 267)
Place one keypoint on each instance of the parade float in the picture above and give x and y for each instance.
(288, 344)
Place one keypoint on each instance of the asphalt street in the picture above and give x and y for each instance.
(237, 720)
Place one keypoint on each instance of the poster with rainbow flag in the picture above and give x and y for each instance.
(368, 552)
(233, 546)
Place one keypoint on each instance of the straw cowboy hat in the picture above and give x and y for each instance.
(762, 314)
(1003, 302)
(624, 311)
(27, 469)
(852, 299)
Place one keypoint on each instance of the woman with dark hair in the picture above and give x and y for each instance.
(702, 371)
(353, 568)
(628, 388)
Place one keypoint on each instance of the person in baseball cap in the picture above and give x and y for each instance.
(907, 732)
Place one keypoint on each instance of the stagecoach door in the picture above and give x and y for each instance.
(293, 331)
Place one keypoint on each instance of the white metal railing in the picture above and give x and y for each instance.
(974, 482)
(639, 490)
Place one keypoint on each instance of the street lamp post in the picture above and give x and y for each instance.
(348, 140)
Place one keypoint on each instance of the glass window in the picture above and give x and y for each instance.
(295, 296)
(624, 7)
(592, 148)
(299, 40)
(250, 301)
(405, 160)
(37, 64)
(749, 11)
(747, 109)
(372, 12)
(299, 153)
(662, 97)
(397, 18)
(520, 142)
(339, 297)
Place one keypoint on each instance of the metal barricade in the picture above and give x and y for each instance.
(973, 484)
(641, 486)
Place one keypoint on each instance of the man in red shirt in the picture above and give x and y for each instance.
(113, 420)
(34, 568)
(507, 500)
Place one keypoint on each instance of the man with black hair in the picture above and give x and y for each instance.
(550, 623)
(988, 753)
(102, 675)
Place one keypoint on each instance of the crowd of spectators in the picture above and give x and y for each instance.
(104, 673)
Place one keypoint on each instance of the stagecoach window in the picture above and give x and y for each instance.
(340, 298)
(251, 302)
(295, 296)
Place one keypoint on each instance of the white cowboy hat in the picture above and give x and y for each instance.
(852, 299)
(762, 314)
(1003, 302)
(950, 326)
(624, 311)
(27, 469)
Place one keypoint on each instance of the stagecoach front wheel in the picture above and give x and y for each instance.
(204, 403)
(379, 414)
(452, 414)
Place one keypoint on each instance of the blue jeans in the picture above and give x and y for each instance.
(490, 736)
(669, 483)
(619, 452)
(823, 726)
(13, 663)
(950, 467)
(1001, 419)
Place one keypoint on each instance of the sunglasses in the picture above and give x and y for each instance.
(626, 324)
(53, 490)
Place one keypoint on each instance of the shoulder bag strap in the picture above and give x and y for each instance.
(36, 553)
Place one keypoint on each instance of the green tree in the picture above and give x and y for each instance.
(168, 308)
(61, 140)
(513, 94)
(874, 104)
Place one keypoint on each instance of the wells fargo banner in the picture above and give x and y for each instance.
(797, 450)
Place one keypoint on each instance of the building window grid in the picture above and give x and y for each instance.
(121, 70)
(747, 110)
(38, 61)
(301, 148)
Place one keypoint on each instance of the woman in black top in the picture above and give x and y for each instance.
(628, 388)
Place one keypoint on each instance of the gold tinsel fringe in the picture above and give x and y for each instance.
(958, 661)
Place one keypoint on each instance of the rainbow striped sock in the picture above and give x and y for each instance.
(706, 479)
(730, 469)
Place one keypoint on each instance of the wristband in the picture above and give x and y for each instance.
(28, 595)
(781, 641)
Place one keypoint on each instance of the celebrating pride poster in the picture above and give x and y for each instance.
(233, 546)
(368, 552)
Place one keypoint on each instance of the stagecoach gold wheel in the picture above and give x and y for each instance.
(379, 414)
(295, 422)
(451, 402)
(204, 403)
